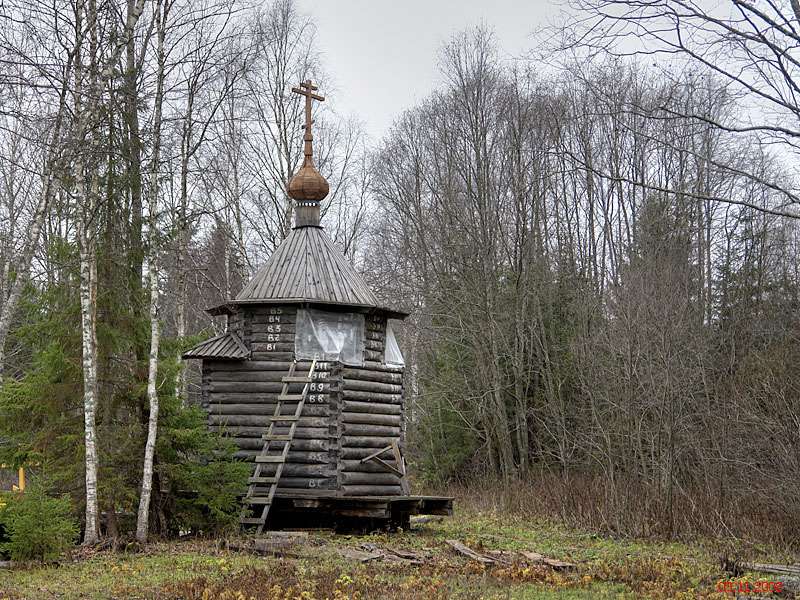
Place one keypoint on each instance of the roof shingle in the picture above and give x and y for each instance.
(224, 347)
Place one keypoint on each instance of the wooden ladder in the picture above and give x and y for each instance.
(252, 501)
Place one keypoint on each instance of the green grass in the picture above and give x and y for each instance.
(608, 568)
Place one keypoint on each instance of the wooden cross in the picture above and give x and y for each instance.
(307, 89)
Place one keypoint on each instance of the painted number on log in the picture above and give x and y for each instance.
(274, 328)
(316, 398)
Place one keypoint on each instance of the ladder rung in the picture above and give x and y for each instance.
(297, 380)
(258, 500)
(262, 480)
(285, 418)
(277, 437)
(269, 458)
(290, 397)
(251, 521)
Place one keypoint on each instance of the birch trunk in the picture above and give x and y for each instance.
(143, 517)
(88, 336)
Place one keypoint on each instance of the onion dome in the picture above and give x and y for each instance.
(308, 187)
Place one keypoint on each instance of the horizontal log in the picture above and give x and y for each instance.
(371, 407)
(264, 421)
(312, 471)
(272, 347)
(257, 398)
(287, 316)
(376, 345)
(306, 482)
(267, 356)
(375, 366)
(258, 376)
(266, 328)
(367, 430)
(356, 466)
(314, 458)
(244, 387)
(351, 478)
(372, 397)
(373, 355)
(298, 447)
(371, 419)
(302, 433)
(255, 387)
(372, 490)
(267, 365)
(353, 453)
(264, 408)
(376, 335)
(372, 375)
(354, 384)
(356, 441)
(286, 337)
(309, 410)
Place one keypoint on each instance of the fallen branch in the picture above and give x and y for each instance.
(507, 557)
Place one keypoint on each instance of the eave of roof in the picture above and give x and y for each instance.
(227, 346)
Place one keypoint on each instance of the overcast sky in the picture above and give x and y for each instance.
(382, 54)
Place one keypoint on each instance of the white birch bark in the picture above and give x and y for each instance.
(143, 517)
(88, 296)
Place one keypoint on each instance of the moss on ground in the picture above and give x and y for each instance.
(608, 568)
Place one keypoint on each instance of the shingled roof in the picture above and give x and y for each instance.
(227, 346)
(308, 267)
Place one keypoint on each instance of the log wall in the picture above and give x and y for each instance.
(350, 412)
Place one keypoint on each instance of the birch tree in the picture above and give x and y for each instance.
(143, 517)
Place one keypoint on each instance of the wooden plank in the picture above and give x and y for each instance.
(371, 490)
(468, 552)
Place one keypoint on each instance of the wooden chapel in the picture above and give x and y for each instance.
(308, 381)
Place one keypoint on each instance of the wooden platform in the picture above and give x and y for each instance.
(298, 509)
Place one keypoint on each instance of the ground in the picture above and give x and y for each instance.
(202, 570)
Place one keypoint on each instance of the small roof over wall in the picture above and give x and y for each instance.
(227, 346)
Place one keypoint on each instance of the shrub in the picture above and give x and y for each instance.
(38, 526)
(198, 469)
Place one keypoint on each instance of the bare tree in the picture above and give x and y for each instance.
(749, 45)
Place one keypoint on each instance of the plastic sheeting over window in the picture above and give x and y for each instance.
(330, 336)
(393, 356)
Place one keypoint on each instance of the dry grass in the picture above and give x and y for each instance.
(608, 566)
(635, 511)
